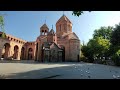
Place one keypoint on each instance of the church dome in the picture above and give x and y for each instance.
(51, 32)
(64, 18)
(44, 26)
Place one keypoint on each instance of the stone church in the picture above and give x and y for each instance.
(50, 46)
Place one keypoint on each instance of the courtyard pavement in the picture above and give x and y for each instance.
(62, 70)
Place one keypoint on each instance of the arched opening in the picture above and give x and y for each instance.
(30, 54)
(45, 32)
(42, 33)
(22, 53)
(16, 50)
(5, 52)
(36, 52)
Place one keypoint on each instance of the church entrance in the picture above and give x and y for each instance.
(46, 56)
(63, 54)
(60, 56)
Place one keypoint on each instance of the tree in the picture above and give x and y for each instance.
(78, 13)
(2, 26)
(115, 37)
(1, 20)
(115, 45)
(86, 52)
(104, 32)
(99, 46)
(96, 47)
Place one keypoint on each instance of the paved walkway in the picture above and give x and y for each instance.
(64, 70)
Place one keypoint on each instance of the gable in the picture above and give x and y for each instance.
(73, 36)
(54, 46)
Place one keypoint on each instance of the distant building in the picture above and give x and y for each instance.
(64, 45)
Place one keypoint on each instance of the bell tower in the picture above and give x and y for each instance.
(63, 26)
(44, 30)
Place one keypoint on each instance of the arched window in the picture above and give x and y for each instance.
(42, 32)
(45, 32)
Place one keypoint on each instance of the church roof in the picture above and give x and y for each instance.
(54, 44)
(73, 36)
(50, 45)
(51, 32)
(44, 26)
(64, 18)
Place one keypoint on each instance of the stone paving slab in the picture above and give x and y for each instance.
(64, 70)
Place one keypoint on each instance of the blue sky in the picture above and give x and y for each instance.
(26, 24)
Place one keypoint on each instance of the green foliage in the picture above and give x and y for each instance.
(78, 13)
(99, 45)
(1, 20)
(115, 38)
(104, 32)
(95, 47)
(3, 35)
(116, 58)
(2, 26)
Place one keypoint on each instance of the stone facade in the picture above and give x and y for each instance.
(64, 45)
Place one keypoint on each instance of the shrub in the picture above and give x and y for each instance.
(83, 59)
(116, 58)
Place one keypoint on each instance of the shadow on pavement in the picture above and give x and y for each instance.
(46, 73)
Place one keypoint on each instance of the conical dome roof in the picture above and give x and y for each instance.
(64, 18)
(44, 26)
(51, 32)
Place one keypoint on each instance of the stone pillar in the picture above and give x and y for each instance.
(8, 53)
(34, 52)
(25, 57)
(18, 56)
(27, 54)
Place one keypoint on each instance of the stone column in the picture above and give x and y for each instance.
(34, 52)
(26, 53)
(18, 56)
